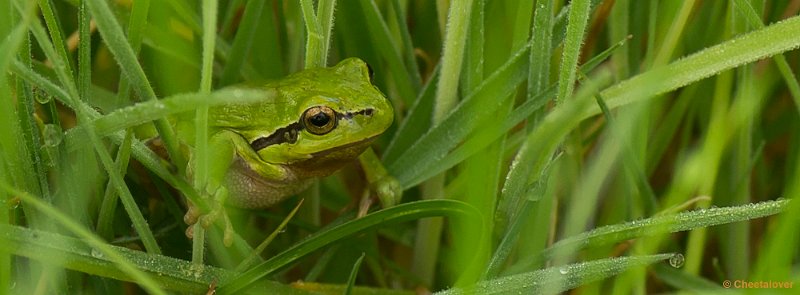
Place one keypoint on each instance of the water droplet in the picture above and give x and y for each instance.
(677, 260)
(52, 135)
(96, 253)
(40, 96)
(563, 270)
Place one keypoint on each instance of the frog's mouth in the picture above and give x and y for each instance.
(324, 163)
(290, 133)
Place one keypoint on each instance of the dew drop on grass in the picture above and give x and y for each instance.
(96, 253)
(677, 260)
(41, 96)
(563, 270)
(52, 135)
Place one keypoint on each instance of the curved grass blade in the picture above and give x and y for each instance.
(26, 239)
(559, 279)
(400, 213)
(353, 274)
(261, 247)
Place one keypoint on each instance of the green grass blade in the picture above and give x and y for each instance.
(460, 121)
(109, 203)
(747, 11)
(242, 43)
(379, 32)
(399, 213)
(136, 25)
(147, 111)
(114, 37)
(416, 123)
(254, 256)
(452, 59)
(325, 9)
(479, 141)
(143, 154)
(541, 35)
(774, 39)
(84, 82)
(353, 274)
(55, 32)
(578, 18)
(47, 47)
(718, 58)
(661, 224)
(673, 35)
(408, 46)
(559, 279)
(474, 61)
(314, 36)
(90, 255)
(91, 241)
(201, 152)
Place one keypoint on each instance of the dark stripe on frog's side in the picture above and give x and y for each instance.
(290, 133)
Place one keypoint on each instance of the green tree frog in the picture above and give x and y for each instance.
(316, 121)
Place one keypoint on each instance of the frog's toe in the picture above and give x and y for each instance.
(192, 214)
(217, 212)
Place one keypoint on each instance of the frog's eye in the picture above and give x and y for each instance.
(319, 120)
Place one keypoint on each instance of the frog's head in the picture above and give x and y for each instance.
(335, 112)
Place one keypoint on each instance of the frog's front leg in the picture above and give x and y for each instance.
(230, 153)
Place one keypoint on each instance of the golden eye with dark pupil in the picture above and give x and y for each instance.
(319, 120)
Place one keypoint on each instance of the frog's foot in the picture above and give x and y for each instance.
(388, 189)
(194, 215)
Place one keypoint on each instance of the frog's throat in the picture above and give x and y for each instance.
(289, 133)
(248, 189)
